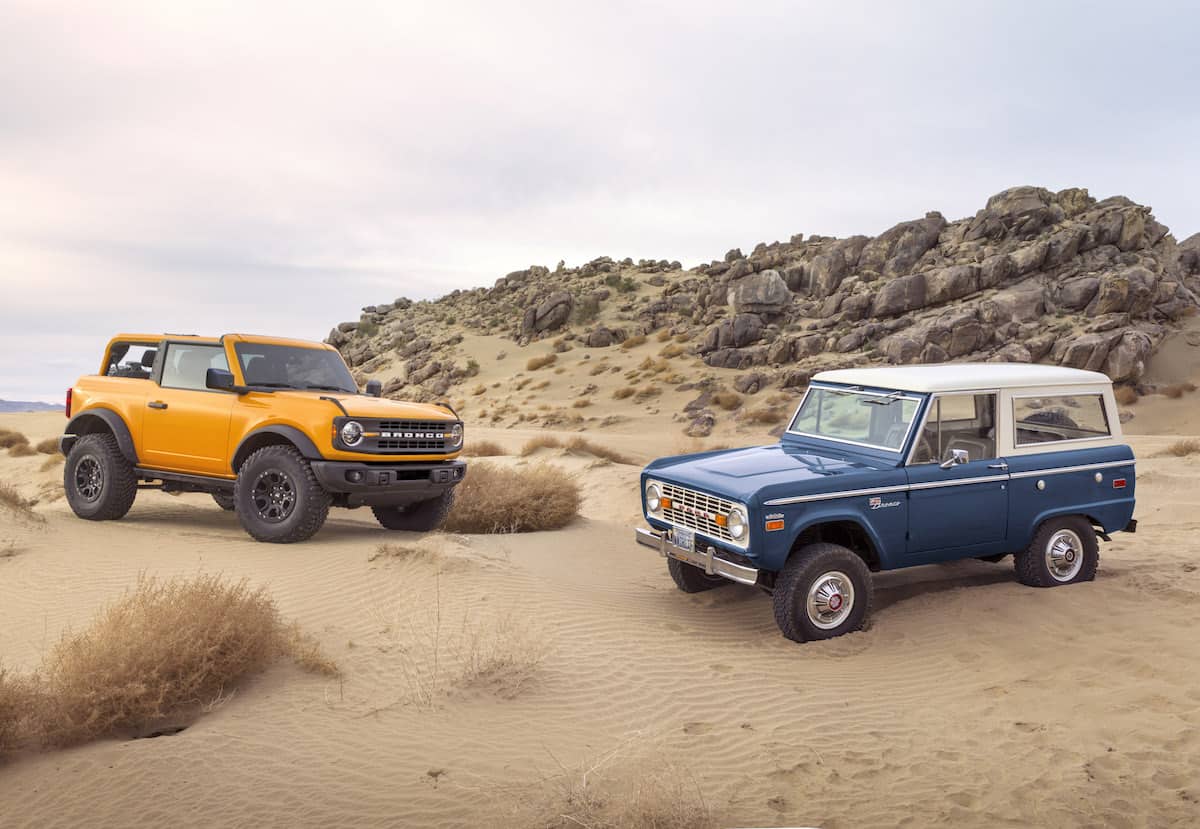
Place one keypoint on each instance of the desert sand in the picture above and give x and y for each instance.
(969, 701)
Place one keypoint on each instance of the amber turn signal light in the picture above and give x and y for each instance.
(775, 525)
(665, 502)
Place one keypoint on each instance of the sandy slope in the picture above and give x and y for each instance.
(970, 701)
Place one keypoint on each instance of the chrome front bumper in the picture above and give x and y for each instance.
(706, 561)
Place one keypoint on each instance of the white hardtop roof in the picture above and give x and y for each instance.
(949, 377)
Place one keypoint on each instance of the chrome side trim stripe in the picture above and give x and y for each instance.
(854, 493)
(828, 496)
(959, 482)
(1033, 473)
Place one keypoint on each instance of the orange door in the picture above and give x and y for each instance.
(186, 426)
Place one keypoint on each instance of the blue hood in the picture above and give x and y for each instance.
(761, 473)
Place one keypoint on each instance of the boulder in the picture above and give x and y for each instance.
(905, 293)
(750, 383)
(761, 293)
(600, 338)
(701, 425)
(742, 330)
(1126, 359)
(951, 283)
(548, 315)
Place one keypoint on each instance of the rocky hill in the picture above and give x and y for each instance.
(1034, 276)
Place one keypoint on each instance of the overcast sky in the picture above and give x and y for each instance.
(272, 168)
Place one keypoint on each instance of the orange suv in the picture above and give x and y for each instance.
(274, 429)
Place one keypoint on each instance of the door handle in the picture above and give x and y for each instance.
(1001, 465)
(157, 404)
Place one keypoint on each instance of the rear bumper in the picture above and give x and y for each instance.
(706, 560)
(381, 485)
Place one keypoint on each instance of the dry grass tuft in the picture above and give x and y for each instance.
(22, 450)
(402, 551)
(10, 498)
(1177, 390)
(541, 362)
(581, 403)
(646, 393)
(540, 442)
(165, 652)
(672, 350)
(727, 400)
(622, 393)
(582, 444)
(494, 499)
(49, 446)
(765, 415)
(1183, 448)
(663, 335)
(483, 449)
(1125, 395)
(9, 439)
(634, 341)
(650, 793)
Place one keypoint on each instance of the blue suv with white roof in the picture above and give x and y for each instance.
(883, 468)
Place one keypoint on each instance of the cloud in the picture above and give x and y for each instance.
(273, 166)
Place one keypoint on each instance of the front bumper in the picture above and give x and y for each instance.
(387, 484)
(706, 560)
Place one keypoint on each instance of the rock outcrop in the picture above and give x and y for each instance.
(1034, 275)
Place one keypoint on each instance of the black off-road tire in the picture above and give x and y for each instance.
(810, 569)
(100, 483)
(420, 517)
(691, 579)
(1035, 565)
(279, 469)
(225, 500)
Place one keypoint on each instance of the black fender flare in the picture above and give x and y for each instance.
(86, 422)
(290, 434)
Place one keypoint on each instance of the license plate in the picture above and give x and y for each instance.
(685, 539)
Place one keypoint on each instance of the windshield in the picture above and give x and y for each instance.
(292, 367)
(876, 419)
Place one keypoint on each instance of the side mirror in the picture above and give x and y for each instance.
(219, 379)
(957, 456)
(374, 388)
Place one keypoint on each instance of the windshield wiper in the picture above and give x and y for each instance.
(329, 388)
(886, 400)
(273, 385)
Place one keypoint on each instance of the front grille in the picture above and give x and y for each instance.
(697, 511)
(404, 436)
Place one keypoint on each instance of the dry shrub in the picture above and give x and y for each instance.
(9, 439)
(1125, 395)
(672, 350)
(478, 390)
(22, 450)
(545, 384)
(582, 444)
(493, 499)
(616, 792)
(581, 403)
(166, 650)
(49, 446)
(663, 336)
(599, 368)
(765, 415)
(622, 393)
(634, 341)
(18, 707)
(647, 392)
(1183, 448)
(540, 362)
(10, 498)
(1177, 390)
(483, 449)
(727, 400)
(540, 442)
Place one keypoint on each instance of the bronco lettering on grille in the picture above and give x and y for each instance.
(415, 435)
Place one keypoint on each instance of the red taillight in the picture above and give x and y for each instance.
(67, 410)
(1118, 483)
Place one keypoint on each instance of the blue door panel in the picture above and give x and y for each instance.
(956, 512)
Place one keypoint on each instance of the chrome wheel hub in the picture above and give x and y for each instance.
(274, 496)
(89, 478)
(1064, 555)
(830, 600)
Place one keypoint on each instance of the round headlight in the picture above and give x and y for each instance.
(737, 522)
(454, 437)
(352, 433)
(653, 498)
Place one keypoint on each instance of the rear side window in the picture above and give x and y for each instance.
(134, 360)
(1051, 418)
(186, 365)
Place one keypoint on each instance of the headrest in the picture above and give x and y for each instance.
(148, 358)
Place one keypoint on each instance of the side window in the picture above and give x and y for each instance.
(186, 365)
(1045, 419)
(958, 421)
(134, 360)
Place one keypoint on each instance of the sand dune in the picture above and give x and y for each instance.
(970, 701)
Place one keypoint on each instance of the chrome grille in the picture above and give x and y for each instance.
(697, 511)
